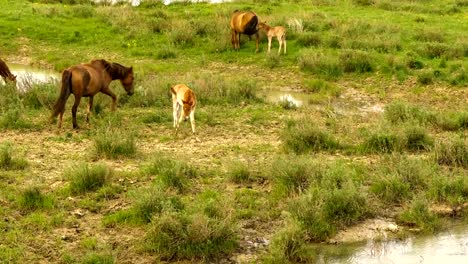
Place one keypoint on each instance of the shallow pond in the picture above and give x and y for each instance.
(26, 76)
(450, 247)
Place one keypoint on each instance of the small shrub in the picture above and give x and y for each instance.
(429, 36)
(344, 206)
(451, 188)
(398, 112)
(8, 161)
(239, 172)
(417, 139)
(155, 201)
(454, 153)
(288, 246)
(326, 66)
(418, 215)
(84, 178)
(454, 121)
(425, 78)
(166, 53)
(272, 60)
(177, 236)
(309, 39)
(114, 144)
(381, 142)
(171, 173)
(304, 136)
(391, 189)
(356, 61)
(32, 199)
(13, 119)
(294, 175)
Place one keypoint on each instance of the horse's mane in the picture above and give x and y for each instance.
(115, 70)
(4, 70)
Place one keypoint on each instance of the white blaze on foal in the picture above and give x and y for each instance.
(183, 103)
(279, 32)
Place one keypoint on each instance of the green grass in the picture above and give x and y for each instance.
(171, 173)
(452, 153)
(8, 158)
(87, 178)
(33, 199)
(304, 136)
(114, 144)
(181, 236)
(418, 215)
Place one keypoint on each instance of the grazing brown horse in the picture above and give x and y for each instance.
(86, 80)
(243, 23)
(6, 73)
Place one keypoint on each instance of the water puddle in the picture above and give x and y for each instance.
(446, 247)
(27, 76)
(347, 104)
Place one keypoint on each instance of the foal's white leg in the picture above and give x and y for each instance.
(192, 119)
(284, 44)
(269, 44)
(174, 112)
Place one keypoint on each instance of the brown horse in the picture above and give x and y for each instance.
(243, 23)
(6, 73)
(86, 80)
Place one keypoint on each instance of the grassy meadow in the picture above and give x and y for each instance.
(381, 133)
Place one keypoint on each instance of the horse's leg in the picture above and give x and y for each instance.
(192, 119)
(280, 43)
(238, 40)
(175, 109)
(112, 95)
(90, 108)
(74, 109)
(269, 43)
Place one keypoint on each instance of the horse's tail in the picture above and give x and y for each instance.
(64, 93)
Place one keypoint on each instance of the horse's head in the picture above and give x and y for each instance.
(127, 80)
(12, 78)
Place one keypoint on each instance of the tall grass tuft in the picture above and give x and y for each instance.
(417, 139)
(356, 61)
(418, 214)
(86, 178)
(155, 201)
(171, 173)
(114, 143)
(452, 188)
(8, 160)
(289, 246)
(177, 236)
(239, 172)
(33, 199)
(304, 136)
(398, 112)
(327, 67)
(294, 175)
(381, 142)
(452, 153)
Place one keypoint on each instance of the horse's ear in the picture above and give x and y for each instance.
(131, 69)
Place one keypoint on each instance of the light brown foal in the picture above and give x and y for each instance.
(279, 32)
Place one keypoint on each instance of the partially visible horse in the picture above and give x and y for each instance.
(243, 23)
(279, 32)
(6, 73)
(86, 80)
(183, 105)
